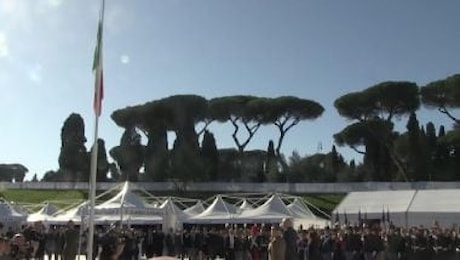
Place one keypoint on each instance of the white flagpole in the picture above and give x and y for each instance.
(94, 154)
(82, 228)
(122, 203)
(92, 192)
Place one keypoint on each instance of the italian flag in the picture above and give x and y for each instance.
(97, 67)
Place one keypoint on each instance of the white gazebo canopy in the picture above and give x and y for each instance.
(46, 212)
(195, 209)
(9, 216)
(302, 215)
(245, 205)
(272, 211)
(124, 206)
(219, 212)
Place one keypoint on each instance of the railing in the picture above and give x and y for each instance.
(231, 187)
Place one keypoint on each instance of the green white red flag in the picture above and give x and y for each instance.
(97, 67)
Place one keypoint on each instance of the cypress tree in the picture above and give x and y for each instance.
(415, 161)
(271, 164)
(335, 161)
(210, 155)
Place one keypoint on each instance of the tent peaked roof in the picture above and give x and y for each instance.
(219, 207)
(125, 199)
(7, 210)
(18, 208)
(218, 212)
(195, 209)
(75, 212)
(169, 205)
(171, 209)
(48, 209)
(45, 213)
(274, 206)
(299, 209)
(246, 204)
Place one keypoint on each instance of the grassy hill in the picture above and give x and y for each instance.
(324, 202)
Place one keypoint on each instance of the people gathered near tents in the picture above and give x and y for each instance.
(237, 242)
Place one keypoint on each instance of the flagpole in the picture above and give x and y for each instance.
(97, 69)
(92, 191)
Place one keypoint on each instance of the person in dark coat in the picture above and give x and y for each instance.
(302, 243)
(147, 243)
(170, 243)
(130, 248)
(187, 243)
(230, 243)
(20, 249)
(313, 246)
(71, 239)
(158, 242)
(290, 237)
(51, 244)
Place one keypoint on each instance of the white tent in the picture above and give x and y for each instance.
(373, 204)
(45, 213)
(169, 205)
(9, 217)
(302, 215)
(298, 209)
(129, 208)
(19, 208)
(130, 219)
(174, 216)
(272, 211)
(73, 214)
(219, 212)
(245, 205)
(125, 206)
(442, 206)
(195, 209)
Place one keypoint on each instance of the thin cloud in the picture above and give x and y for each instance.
(124, 59)
(20, 15)
(55, 3)
(45, 7)
(35, 74)
(8, 6)
(3, 45)
(117, 17)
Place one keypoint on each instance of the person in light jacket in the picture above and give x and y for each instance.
(277, 245)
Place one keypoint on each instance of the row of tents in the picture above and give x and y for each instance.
(403, 208)
(170, 212)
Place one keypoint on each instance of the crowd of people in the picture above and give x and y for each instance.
(253, 242)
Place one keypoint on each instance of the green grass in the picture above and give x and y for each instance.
(325, 202)
(40, 196)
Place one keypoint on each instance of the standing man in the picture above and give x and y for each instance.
(290, 237)
(277, 246)
(71, 237)
(230, 244)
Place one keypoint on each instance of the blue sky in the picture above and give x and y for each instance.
(314, 49)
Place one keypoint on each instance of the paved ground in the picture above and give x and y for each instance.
(83, 257)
